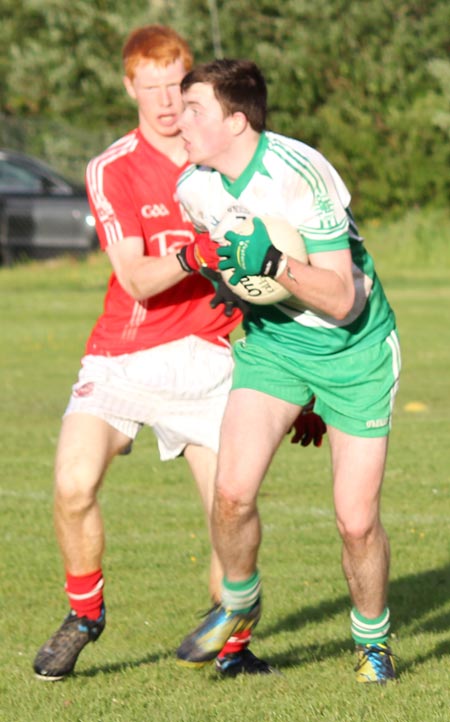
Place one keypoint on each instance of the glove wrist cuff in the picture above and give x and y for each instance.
(271, 262)
(182, 260)
(282, 264)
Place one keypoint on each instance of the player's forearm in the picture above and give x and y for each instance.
(320, 289)
(146, 277)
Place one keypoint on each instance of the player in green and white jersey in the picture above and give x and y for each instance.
(341, 347)
(289, 179)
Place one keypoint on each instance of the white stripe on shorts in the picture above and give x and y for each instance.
(393, 342)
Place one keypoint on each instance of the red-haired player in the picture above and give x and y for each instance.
(159, 354)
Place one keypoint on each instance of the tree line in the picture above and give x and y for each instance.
(367, 82)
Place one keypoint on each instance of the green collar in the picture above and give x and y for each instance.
(256, 165)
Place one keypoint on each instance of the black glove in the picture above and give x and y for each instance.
(308, 426)
(224, 294)
(229, 299)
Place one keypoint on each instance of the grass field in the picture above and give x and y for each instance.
(157, 550)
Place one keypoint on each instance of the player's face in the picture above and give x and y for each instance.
(206, 133)
(156, 90)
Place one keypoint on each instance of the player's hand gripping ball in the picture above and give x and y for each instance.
(250, 255)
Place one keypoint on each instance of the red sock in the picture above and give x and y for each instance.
(85, 594)
(237, 643)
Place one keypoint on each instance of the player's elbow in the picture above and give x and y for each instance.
(136, 292)
(132, 287)
(128, 283)
(341, 312)
(344, 304)
(132, 291)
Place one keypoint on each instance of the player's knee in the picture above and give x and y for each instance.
(234, 499)
(357, 529)
(75, 487)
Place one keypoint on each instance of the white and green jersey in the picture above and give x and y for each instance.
(288, 179)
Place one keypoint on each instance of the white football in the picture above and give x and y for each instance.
(264, 290)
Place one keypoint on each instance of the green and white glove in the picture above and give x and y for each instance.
(252, 254)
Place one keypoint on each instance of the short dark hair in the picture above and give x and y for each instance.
(238, 85)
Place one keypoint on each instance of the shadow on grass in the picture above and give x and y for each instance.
(122, 666)
(416, 602)
(306, 654)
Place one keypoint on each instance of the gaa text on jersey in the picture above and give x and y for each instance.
(154, 211)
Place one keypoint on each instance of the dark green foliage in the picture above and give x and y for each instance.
(368, 83)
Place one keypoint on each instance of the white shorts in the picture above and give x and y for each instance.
(179, 389)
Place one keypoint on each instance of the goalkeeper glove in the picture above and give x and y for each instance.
(307, 427)
(198, 254)
(251, 254)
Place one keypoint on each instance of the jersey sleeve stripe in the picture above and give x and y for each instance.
(301, 165)
(314, 245)
(95, 182)
(186, 174)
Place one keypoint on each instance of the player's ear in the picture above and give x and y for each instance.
(129, 87)
(238, 122)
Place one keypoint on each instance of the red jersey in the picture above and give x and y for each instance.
(132, 192)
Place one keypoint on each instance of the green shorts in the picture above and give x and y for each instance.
(354, 392)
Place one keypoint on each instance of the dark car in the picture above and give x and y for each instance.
(42, 214)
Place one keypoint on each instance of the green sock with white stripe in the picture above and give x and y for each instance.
(241, 596)
(370, 631)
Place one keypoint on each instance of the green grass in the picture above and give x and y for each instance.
(156, 563)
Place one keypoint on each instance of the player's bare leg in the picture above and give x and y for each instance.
(203, 463)
(235, 657)
(236, 523)
(256, 423)
(85, 448)
(358, 466)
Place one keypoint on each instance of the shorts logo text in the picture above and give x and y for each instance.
(376, 423)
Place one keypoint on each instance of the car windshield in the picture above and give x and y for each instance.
(18, 180)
